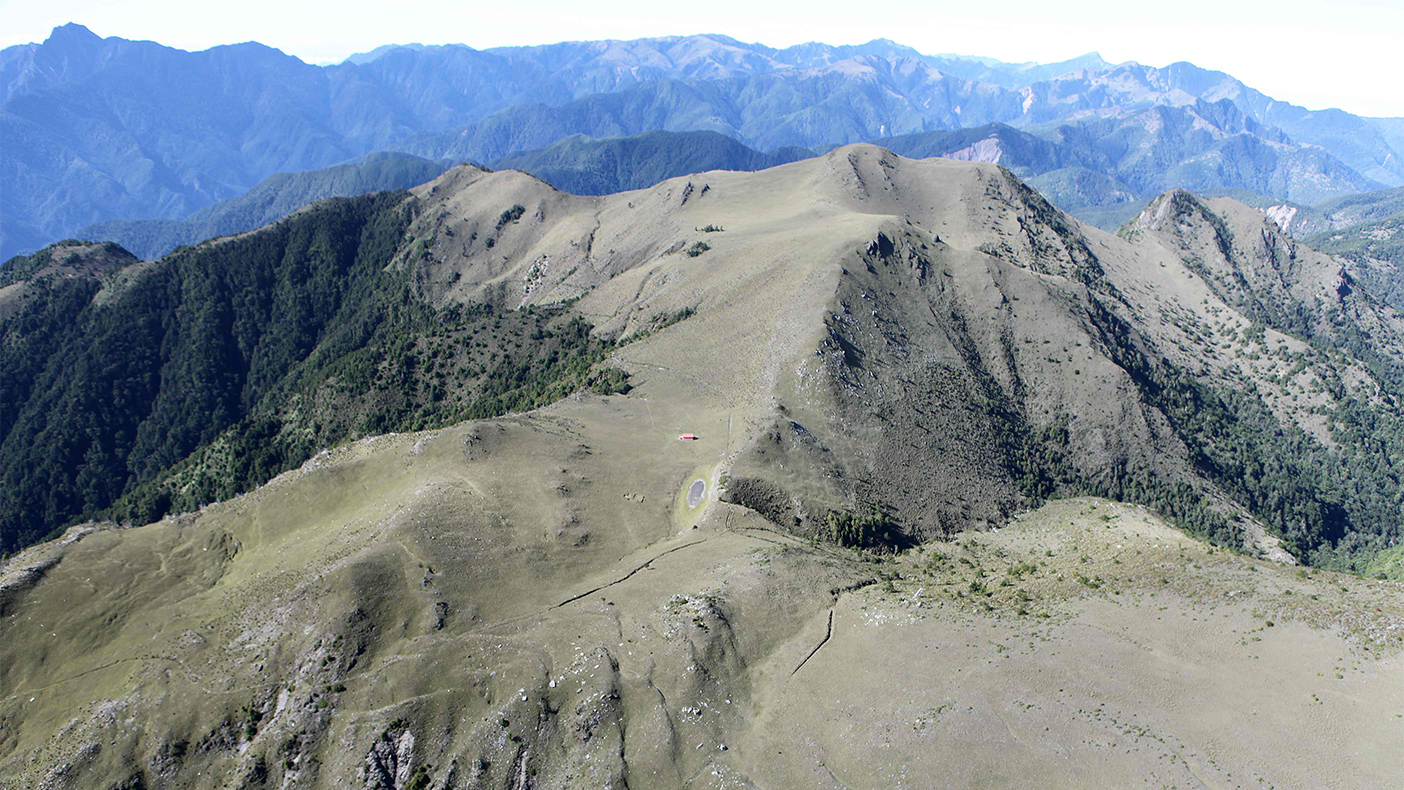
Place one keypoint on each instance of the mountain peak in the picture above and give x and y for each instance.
(68, 258)
(1172, 207)
(72, 33)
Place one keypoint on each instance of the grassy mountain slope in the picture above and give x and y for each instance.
(874, 351)
(530, 244)
(1166, 346)
(199, 376)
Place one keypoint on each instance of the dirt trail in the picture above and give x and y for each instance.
(628, 575)
(828, 632)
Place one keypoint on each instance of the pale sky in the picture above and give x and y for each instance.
(1310, 52)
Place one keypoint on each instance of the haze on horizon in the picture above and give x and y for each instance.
(1309, 52)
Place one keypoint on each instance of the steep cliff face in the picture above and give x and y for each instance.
(1254, 266)
(970, 363)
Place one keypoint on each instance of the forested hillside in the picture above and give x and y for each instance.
(251, 353)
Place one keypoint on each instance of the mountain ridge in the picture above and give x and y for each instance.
(470, 260)
(871, 352)
(347, 110)
(1072, 169)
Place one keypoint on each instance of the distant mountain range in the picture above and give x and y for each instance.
(1079, 175)
(586, 166)
(272, 199)
(98, 129)
(866, 98)
(574, 164)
